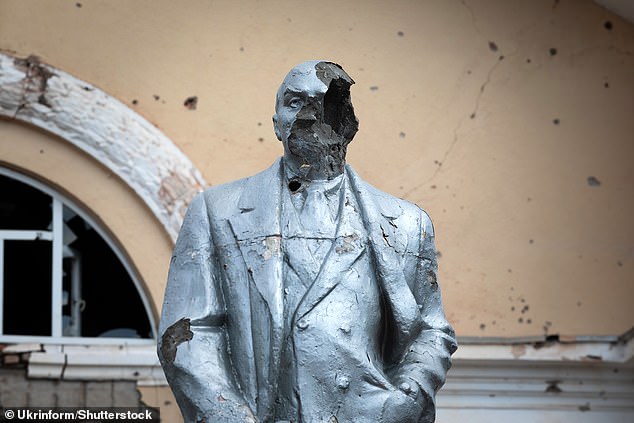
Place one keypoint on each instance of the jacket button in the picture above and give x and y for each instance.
(302, 324)
(345, 328)
(343, 383)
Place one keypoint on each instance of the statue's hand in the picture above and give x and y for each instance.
(407, 404)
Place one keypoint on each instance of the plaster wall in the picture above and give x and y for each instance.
(510, 122)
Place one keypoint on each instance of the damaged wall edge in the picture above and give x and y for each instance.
(98, 124)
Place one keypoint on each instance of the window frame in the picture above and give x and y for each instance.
(58, 201)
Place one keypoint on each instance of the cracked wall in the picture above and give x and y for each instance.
(510, 122)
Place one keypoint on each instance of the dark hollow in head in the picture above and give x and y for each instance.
(338, 109)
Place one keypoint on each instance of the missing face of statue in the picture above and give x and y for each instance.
(302, 293)
(314, 119)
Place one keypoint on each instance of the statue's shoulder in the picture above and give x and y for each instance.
(223, 199)
(392, 206)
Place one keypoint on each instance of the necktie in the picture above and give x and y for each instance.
(315, 216)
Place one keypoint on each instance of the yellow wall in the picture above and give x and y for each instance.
(517, 223)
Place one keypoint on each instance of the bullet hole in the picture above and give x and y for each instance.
(167, 402)
(437, 163)
(529, 321)
(482, 326)
(241, 48)
(374, 88)
(493, 322)
(555, 121)
(512, 308)
(135, 373)
(401, 134)
(294, 185)
(606, 85)
(578, 303)
(528, 199)
(509, 270)
(531, 241)
(259, 123)
(501, 57)
(468, 71)
(135, 102)
(525, 309)
(78, 5)
(191, 102)
(156, 97)
(528, 60)
(520, 320)
(552, 51)
(42, 152)
(472, 116)
(87, 88)
(433, 187)
(593, 181)
(618, 263)
(553, 387)
(400, 33)
(585, 407)
(438, 254)
(493, 46)
(175, 335)
(607, 25)
(261, 139)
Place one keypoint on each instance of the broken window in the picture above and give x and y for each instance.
(59, 275)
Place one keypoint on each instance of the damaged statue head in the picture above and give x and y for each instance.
(302, 293)
(315, 120)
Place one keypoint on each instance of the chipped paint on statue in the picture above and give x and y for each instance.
(303, 294)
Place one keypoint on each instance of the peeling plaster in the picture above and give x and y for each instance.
(106, 129)
(175, 335)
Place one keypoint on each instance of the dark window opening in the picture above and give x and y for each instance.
(27, 288)
(23, 207)
(109, 303)
(98, 299)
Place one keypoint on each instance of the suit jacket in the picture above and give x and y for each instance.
(222, 322)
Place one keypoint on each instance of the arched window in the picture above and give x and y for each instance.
(62, 279)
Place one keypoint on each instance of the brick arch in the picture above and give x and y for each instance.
(106, 129)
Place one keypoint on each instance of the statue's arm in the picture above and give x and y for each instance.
(192, 346)
(426, 362)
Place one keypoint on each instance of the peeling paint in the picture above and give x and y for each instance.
(518, 350)
(175, 335)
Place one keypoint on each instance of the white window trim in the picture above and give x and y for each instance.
(58, 201)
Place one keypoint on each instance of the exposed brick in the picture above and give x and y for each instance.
(14, 388)
(125, 394)
(71, 394)
(42, 393)
(98, 394)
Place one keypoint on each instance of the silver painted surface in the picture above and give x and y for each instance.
(302, 293)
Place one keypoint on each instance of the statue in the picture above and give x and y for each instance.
(303, 294)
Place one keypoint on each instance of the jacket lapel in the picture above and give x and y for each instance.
(377, 217)
(256, 229)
